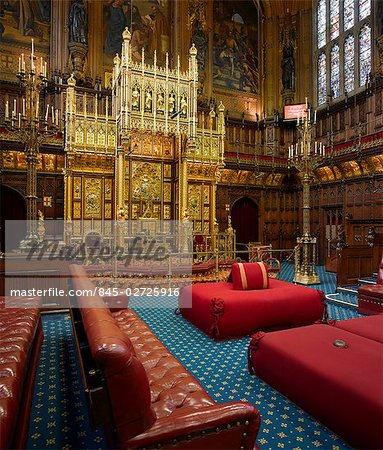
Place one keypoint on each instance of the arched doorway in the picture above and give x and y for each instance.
(12, 207)
(244, 216)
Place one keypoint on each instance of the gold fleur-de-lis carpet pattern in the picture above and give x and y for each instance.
(59, 416)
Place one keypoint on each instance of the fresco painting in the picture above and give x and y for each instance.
(236, 46)
(21, 20)
(148, 21)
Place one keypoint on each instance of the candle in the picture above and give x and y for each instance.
(306, 103)
(53, 115)
(309, 115)
(19, 120)
(7, 110)
(23, 107)
(19, 64)
(33, 47)
(45, 69)
(14, 107)
(41, 65)
(315, 116)
(46, 113)
(316, 147)
(57, 116)
(298, 119)
(37, 109)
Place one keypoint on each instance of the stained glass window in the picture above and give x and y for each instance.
(348, 14)
(349, 61)
(364, 9)
(335, 79)
(344, 41)
(322, 92)
(334, 19)
(321, 21)
(364, 54)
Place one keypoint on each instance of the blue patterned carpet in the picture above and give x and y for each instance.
(59, 413)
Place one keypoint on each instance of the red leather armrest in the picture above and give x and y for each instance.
(235, 424)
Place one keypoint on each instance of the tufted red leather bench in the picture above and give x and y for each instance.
(20, 341)
(154, 401)
(370, 296)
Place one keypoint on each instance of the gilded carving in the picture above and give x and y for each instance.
(8, 159)
(108, 189)
(167, 212)
(77, 187)
(77, 210)
(167, 171)
(49, 162)
(194, 204)
(167, 192)
(108, 210)
(206, 194)
(92, 198)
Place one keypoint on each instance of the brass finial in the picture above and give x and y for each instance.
(193, 50)
(72, 80)
(126, 34)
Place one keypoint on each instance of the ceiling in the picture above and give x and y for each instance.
(282, 7)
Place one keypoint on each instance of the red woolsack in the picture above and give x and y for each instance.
(246, 276)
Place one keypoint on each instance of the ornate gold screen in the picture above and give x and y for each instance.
(140, 152)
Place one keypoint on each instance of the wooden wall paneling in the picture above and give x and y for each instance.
(355, 262)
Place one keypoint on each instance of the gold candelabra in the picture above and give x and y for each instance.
(306, 155)
(30, 119)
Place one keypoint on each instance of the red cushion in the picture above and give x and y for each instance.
(341, 387)
(248, 276)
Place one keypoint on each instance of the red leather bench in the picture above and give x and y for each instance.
(370, 296)
(223, 312)
(21, 337)
(153, 401)
(334, 373)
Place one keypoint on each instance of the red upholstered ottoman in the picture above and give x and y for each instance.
(341, 387)
(223, 312)
(370, 327)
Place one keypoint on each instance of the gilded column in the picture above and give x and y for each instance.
(70, 127)
(183, 187)
(119, 181)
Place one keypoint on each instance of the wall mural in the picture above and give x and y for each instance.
(149, 20)
(20, 20)
(236, 46)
